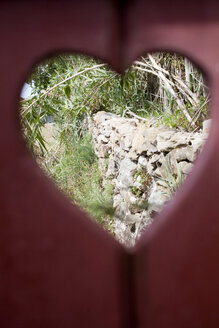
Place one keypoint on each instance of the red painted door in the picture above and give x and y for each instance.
(57, 268)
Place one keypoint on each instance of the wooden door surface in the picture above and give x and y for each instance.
(59, 269)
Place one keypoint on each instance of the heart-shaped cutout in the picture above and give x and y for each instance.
(119, 146)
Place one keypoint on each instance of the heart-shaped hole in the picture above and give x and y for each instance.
(118, 146)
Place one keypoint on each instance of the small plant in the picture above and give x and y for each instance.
(136, 191)
(172, 176)
(144, 179)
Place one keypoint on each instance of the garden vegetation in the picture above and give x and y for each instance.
(69, 89)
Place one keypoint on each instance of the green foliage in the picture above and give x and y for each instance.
(136, 191)
(144, 179)
(66, 91)
(172, 176)
(175, 120)
(76, 173)
(69, 89)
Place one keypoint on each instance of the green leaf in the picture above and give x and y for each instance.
(67, 90)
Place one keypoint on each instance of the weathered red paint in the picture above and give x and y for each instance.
(57, 268)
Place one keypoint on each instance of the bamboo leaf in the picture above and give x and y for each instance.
(67, 90)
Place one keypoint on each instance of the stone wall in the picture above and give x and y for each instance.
(145, 163)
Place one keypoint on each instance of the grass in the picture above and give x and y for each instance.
(76, 172)
(172, 176)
